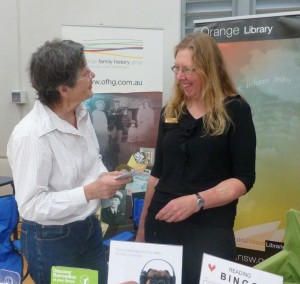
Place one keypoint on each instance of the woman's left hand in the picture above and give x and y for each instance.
(178, 209)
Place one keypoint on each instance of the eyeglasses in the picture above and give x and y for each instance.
(184, 70)
(88, 74)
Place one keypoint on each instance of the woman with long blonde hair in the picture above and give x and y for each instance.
(204, 161)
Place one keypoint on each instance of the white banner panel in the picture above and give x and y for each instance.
(127, 87)
(123, 59)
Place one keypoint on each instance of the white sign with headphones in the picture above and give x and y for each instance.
(142, 263)
(216, 270)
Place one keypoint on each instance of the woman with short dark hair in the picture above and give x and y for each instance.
(58, 173)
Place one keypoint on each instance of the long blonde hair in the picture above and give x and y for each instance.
(216, 84)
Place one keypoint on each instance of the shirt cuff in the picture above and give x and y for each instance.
(78, 196)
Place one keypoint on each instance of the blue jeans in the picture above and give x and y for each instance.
(77, 244)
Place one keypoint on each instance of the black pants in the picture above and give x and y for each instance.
(195, 239)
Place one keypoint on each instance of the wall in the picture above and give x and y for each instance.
(26, 24)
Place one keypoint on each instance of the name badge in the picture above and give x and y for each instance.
(171, 120)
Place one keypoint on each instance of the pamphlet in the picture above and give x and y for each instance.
(135, 263)
(216, 270)
(72, 275)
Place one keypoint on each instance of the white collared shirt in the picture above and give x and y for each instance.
(51, 161)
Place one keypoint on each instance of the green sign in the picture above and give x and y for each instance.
(71, 275)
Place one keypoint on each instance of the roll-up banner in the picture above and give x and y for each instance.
(128, 65)
(263, 58)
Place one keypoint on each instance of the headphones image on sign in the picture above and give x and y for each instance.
(157, 274)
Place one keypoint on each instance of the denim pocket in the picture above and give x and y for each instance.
(53, 233)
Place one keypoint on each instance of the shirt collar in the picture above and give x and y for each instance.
(51, 121)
